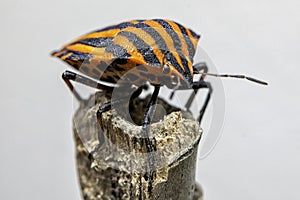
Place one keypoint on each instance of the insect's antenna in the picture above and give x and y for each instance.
(235, 76)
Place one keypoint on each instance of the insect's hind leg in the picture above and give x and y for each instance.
(69, 76)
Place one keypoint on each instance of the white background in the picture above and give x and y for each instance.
(257, 156)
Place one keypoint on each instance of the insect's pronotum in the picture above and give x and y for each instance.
(156, 51)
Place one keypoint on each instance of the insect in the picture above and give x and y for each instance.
(156, 51)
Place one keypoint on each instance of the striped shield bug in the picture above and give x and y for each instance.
(157, 51)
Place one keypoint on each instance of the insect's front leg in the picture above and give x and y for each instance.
(203, 84)
(199, 67)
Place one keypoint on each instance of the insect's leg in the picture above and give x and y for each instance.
(145, 131)
(69, 76)
(197, 68)
(203, 84)
(200, 67)
(103, 108)
(106, 107)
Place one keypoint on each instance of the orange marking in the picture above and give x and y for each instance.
(66, 56)
(126, 44)
(109, 33)
(164, 34)
(86, 49)
(148, 40)
(184, 48)
(194, 40)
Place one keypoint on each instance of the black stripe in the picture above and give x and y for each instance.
(108, 79)
(188, 41)
(177, 43)
(171, 32)
(118, 26)
(61, 53)
(77, 55)
(142, 47)
(185, 64)
(121, 61)
(96, 42)
(159, 40)
(194, 34)
(118, 51)
(116, 66)
(170, 58)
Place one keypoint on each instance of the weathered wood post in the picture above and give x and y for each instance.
(118, 170)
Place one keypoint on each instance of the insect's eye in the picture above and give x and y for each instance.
(166, 69)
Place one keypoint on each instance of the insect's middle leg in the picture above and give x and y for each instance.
(106, 107)
(145, 131)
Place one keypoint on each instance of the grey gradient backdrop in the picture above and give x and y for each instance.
(257, 156)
